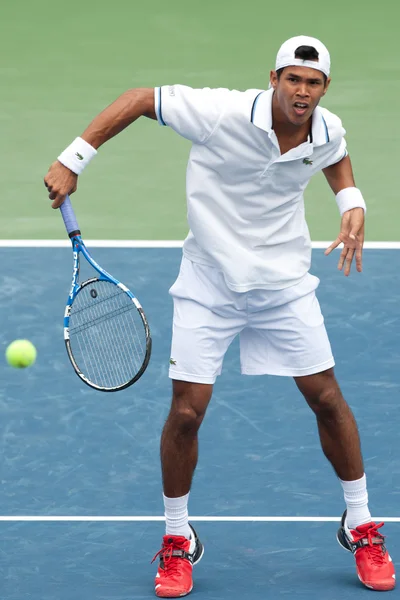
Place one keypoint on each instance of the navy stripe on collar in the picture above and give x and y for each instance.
(326, 130)
(254, 106)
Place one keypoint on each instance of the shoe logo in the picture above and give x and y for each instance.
(307, 161)
(172, 361)
(78, 156)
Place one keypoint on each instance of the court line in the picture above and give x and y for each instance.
(150, 519)
(154, 244)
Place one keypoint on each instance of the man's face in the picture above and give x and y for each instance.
(298, 92)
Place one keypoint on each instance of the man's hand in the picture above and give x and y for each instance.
(352, 236)
(60, 181)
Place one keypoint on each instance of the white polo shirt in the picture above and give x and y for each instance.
(245, 200)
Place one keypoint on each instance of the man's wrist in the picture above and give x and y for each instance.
(77, 155)
(350, 198)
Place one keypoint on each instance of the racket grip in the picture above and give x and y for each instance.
(70, 222)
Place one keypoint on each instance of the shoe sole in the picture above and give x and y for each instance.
(381, 588)
(175, 595)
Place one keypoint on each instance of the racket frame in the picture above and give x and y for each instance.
(78, 247)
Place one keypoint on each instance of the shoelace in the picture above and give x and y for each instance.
(166, 555)
(375, 542)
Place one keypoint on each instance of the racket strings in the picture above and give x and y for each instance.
(100, 318)
(107, 334)
(116, 365)
(110, 367)
(99, 300)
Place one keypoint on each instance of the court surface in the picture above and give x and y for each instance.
(71, 452)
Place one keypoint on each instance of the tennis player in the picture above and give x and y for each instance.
(245, 271)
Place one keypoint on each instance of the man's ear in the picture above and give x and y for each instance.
(326, 85)
(273, 79)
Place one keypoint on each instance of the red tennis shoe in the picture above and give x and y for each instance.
(177, 557)
(374, 565)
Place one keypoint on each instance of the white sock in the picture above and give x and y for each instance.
(176, 516)
(356, 498)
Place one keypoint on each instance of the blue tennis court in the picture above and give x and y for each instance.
(70, 451)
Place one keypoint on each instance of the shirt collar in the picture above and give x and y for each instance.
(261, 117)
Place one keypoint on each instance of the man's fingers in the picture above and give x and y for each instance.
(359, 258)
(334, 245)
(48, 185)
(352, 236)
(345, 260)
(58, 196)
(58, 200)
(342, 258)
(57, 203)
(60, 181)
(349, 260)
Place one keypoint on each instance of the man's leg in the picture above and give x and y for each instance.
(341, 445)
(287, 336)
(181, 547)
(336, 424)
(179, 450)
(207, 317)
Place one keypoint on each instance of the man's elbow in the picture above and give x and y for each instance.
(143, 99)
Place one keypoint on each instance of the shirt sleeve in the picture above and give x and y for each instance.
(193, 113)
(337, 153)
(336, 148)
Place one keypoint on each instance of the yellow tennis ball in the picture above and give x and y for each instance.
(21, 354)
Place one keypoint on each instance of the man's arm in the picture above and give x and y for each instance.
(340, 175)
(126, 109)
(122, 112)
(340, 178)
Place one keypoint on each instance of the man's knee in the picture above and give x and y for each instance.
(327, 402)
(322, 393)
(189, 405)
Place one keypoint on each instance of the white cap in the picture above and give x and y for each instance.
(286, 54)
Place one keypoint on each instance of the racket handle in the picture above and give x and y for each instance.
(70, 222)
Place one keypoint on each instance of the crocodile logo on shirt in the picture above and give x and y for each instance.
(307, 161)
(172, 361)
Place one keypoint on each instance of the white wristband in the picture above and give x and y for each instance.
(77, 155)
(349, 198)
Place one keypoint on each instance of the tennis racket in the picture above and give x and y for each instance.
(105, 329)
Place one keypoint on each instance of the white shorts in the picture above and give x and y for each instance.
(282, 332)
